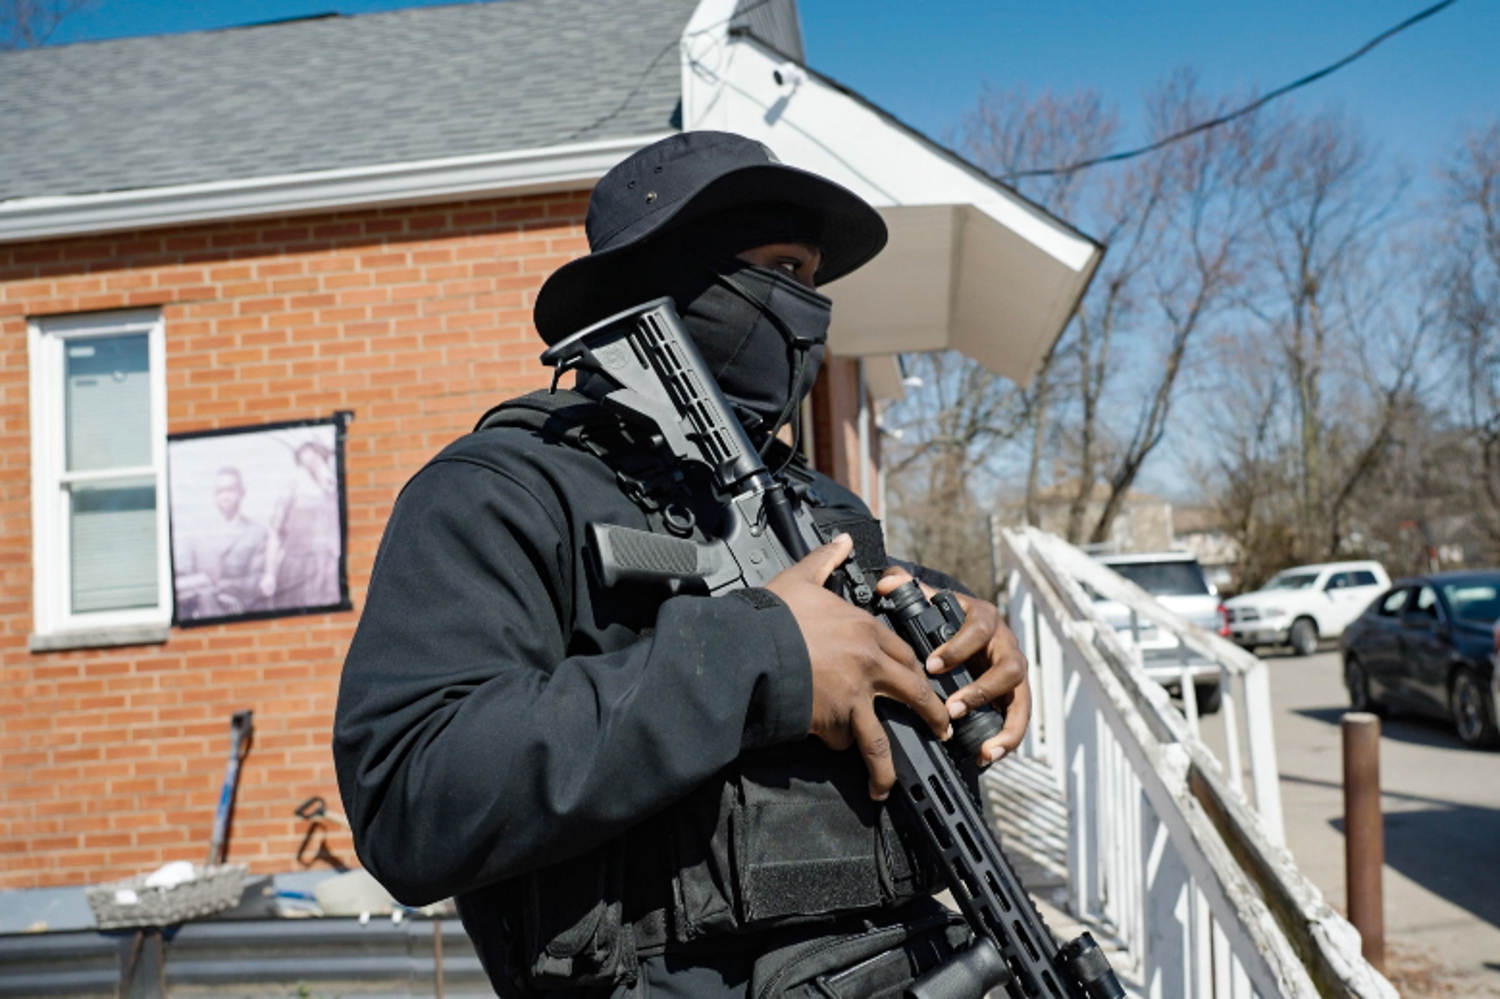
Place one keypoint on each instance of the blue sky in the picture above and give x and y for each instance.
(1414, 93)
(926, 62)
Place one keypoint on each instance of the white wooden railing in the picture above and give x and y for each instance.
(1166, 851)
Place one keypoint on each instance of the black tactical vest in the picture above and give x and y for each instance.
(782, 836)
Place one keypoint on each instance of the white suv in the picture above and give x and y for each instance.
(1177, 582)
(1302, 605)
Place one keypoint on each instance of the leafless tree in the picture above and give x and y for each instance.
(1334, 313)
(1007, 132)
(940, 435)
(1174, 223)
(1325, 439)
(1196, 247)
(28, 24)
(1243, 473)
(1469, 283)
(1270, 267)
(1416, 502)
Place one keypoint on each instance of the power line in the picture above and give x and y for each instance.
(1222, 119)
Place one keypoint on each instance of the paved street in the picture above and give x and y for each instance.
(1442, 829)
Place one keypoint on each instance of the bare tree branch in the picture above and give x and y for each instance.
(26, 24)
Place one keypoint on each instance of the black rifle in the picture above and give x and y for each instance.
(645, 366)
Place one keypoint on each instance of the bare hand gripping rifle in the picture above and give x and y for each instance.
(649, 371)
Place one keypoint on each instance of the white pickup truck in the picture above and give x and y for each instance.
(1303, 605)
(1177, 582)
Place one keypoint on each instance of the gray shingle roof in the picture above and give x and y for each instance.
(335, 92)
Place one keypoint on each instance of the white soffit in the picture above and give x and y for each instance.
(970, 265)
(952, 278)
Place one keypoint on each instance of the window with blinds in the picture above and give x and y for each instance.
(112, 511)
(99, 461)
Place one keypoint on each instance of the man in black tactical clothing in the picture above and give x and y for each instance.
(631, 793)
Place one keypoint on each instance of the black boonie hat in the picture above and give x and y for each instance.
(685, 178)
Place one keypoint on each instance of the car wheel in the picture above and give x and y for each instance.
(1359, 688)
(1209, 696)
(1304, 636)
(1473, 709)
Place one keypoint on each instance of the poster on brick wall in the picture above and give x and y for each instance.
(258, 521)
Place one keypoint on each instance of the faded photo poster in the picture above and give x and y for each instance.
(258, 521)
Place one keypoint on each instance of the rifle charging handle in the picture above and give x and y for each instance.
(925, 625)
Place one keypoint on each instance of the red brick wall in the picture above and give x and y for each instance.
(417, 319)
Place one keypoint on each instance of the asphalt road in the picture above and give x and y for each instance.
(1442, 828)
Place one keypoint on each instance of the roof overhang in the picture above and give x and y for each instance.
(954, 278)
(971, 265)
(527, 171)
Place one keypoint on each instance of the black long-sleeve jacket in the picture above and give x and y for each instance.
(595, 774)
(499, 711)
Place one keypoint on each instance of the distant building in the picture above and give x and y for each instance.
(1200, 530)
(1143, 522)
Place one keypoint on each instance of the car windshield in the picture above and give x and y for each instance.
(1476, 599)
(1164, 579)
(1291, 581)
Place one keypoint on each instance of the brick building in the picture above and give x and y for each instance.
(350, 215)
(1143, 522)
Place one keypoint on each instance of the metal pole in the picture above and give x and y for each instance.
(1364, 835)
(437, 957)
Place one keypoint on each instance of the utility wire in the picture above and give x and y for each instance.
(1230, 116)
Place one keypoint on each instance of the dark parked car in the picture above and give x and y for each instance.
(1429, 645)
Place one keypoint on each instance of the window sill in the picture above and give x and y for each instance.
(98, 638)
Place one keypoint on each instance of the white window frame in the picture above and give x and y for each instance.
(55, 624)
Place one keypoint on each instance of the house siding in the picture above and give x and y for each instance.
(416, 320)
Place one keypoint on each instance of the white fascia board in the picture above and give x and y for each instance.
(527, 171)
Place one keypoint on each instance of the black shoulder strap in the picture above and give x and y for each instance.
(569, 417)
(562, 414)
(644, 473)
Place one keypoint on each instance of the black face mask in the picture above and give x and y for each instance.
(762, 334)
